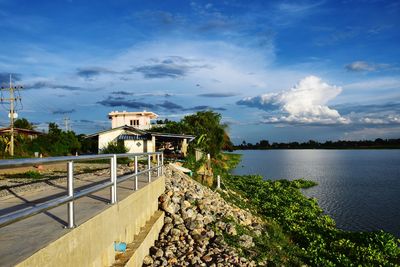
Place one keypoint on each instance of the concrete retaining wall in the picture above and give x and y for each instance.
(92, 243)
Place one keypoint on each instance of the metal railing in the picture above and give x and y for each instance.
(73, 195)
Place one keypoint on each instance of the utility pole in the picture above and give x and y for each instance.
(12, 113)
(66, 122)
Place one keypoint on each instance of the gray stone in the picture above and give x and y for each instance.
(246, 241)
(159, 253)
(167, 228)
(175, 232)
(231, 229)
(148, 260)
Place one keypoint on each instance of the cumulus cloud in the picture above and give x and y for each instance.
(305, 103)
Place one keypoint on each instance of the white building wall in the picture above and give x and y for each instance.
(105, 138)
(139, 146)
(121, 120)
(133, 147)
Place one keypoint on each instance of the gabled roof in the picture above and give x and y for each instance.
(138, 132)
(125, 127)
(20, 131)
(150, 114)
(183, 136)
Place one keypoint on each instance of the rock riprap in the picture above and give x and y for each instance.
(197, 220)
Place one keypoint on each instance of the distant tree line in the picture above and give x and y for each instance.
(341, 144)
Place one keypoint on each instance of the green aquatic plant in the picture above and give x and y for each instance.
(320, 243)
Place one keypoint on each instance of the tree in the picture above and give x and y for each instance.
(208, 124)
(23, 124)
(114, 148)
(210, 133)
(57, 142)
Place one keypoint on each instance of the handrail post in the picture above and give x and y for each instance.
(136, 173)
(158, 165)
(149, 164)
(70, 185)
(162, 163)
(113, 176)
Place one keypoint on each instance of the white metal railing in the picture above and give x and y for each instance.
(71, 193)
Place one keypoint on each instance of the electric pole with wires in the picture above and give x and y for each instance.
(12, 114)
(66, 122)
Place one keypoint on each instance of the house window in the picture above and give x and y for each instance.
(134, 122)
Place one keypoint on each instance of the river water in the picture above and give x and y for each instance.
(359, 189)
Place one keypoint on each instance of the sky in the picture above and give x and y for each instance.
(275, 70)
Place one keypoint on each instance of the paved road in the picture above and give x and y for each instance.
(21, 239)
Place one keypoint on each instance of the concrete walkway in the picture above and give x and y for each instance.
(21, 239)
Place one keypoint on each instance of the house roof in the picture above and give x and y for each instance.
(137, 132)
(20, 131)
(134, 137)
(183, 136)
(150, 114)
(125, 127)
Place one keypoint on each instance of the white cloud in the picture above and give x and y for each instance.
(360, 66)
(305, 103)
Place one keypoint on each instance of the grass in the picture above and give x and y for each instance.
(34, 175)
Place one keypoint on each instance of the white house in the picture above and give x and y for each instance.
(131, 128)
(135, 140)
(140, 120)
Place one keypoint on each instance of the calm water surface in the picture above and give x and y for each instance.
(360, 189)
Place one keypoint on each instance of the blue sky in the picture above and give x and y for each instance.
(276, 70)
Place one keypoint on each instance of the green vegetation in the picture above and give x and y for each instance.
(23, 124)
(33, 175)
(271, 246)
(318, 241)
(55, 143)
(114, 148)
(211, 136)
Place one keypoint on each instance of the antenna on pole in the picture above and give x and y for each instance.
(12, 114)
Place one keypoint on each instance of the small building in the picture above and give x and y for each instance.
(132, 129)
(140, 120)
(31, 134)
(135, 140)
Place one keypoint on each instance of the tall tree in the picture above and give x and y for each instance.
(23, 124)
